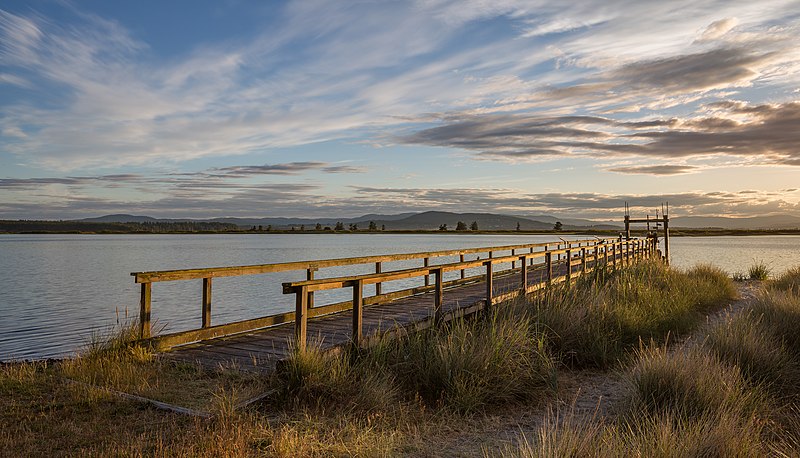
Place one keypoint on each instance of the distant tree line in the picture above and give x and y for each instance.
(154, 227)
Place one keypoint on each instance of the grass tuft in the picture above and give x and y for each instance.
(758, 271)
(688, 383)
(326, 380)
(469, 364)
(788, 281)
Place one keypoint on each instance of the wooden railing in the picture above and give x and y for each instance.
(612, 251)
(588, 258)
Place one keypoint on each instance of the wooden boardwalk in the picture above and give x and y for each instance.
(258, 345)
(260, 350)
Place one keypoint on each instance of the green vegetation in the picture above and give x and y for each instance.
(422, 394)
(758, 271)
(789, 281)
(735, 394)
(606, 315)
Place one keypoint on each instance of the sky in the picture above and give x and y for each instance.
(202, 109)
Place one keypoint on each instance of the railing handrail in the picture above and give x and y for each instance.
(378, 277)
(232, 271)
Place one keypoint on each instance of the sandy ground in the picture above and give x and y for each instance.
(585, 394)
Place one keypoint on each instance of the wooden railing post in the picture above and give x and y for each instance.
(378, 289)
(548, 266)
(358, 313)
(207, 302)
(425, 263)
(301, 318)
(489, 284)
(569, 265)
(583, 261)
(144, 310)
(523, 275)
(463, 272)
(310, 276)
(614, 255)
(513, 263)
(438, 297)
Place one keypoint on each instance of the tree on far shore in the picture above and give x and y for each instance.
(461, 226)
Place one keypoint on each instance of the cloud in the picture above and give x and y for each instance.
(717, 29)
(292, 168)
(114, 104)
(664, 169)
(765, 133)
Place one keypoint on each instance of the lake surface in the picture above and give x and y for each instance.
(57, 290)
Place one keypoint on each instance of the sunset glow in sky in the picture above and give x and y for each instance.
(322, 109)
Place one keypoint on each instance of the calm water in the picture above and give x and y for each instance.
(59, 289)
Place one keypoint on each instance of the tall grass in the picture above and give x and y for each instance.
(465, 365)
(735, 394)
(788, 281)
(764, 343)
(469, 364)
(604, 316)
(689, 383)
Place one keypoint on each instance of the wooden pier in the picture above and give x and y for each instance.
(479, 278)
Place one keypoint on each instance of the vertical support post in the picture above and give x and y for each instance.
(463, 273)
(523, 276)
(583, 261)
(438, 297)
(301, 318)
(569, 265)
(489, 285)
(595, 255)
(310, 276)
(513, 263)
(378, 289)
(627, 227)
(425, 263)
(605, 255)
(666, 239)
(358, 314)
(144, 310)
(207, 302)
(548, 265)
(614, 255)
(531, 263)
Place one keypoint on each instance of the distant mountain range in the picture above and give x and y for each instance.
(431, 220)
